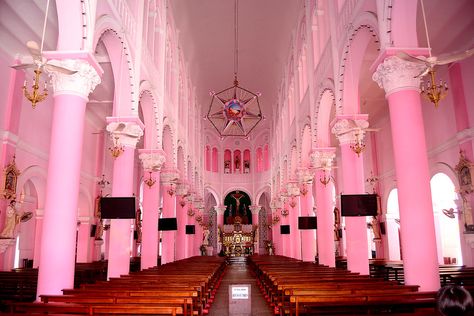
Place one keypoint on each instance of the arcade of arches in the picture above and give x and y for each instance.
(343, 113)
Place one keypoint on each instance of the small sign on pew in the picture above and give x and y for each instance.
(240, 300)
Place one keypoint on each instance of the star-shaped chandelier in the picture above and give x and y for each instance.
(234, 111)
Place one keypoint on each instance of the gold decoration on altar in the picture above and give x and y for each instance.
(9, 181)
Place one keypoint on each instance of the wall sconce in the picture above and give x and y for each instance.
(358, 146)
(304, 189)
(275, 220)
(150, 181)
(182, 202)
(191, 212)
(103, 182)
(118, 149)
(325, 180)
(372, 181)
(285, 212)
(292, 202)
(172, 190)
(35, 96)
(199, 219)
(434, 92)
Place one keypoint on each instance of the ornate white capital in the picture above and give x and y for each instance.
(152, 161)
(323, 158)
(348, 131)
(220, 209)
(81, 83)
(255, 208)
(305, 175)
(125, 133)
(396, 74)
(293, 189)
(169, 177)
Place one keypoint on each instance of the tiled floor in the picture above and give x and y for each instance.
(237, 273)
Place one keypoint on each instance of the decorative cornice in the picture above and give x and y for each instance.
(349, 131)
(396, 74)
(126, 133)
(323, 158)
(152, 161)
(81, 83)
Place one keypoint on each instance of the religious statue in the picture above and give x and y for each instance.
(205, 238)
(337, 224)
(374, 224)
(11, 221)
(237, 163)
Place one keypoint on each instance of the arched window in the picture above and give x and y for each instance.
(446, 219)
(208, 158)
(215, 164)
(246, 161)
(227, 161)
(393, 226)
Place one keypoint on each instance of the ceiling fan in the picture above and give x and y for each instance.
(434, 92)
(39, 64)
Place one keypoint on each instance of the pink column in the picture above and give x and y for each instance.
(295, 237)
(220, 223)
(276, 237)
(127, 131)
(190, 240)
(353, 183)
(322, 159)
(308, 237)
(199, 233)
(255, 215)
(83, 238)
(168, 180)
(38, 232)
(285, 238)
(418, 237)
(181, 216)
(58, 240)
(152, 161)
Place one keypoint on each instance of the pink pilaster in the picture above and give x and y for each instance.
(38, 233)
(220, 223)
(276, 237)
(353, 183)
(83, 233)
(127, 132)
(58, 240)
(418, 239)
(198, 237)
(285, 238)
(190, 239)
(181, 217)
(152, 161)
(255, 216)
(322, 160)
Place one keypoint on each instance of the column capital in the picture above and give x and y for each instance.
(152, 159)
(169, 177)
(81, 83)
(395, 74)
(220, 209)
(323, 157)
(125, 130)
(305, 175)
(255, 208)
(349, 129)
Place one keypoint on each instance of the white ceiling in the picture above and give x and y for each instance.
(206, 37)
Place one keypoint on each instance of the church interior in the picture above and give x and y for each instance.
(157, 153)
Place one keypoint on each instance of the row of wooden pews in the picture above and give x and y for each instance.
(19, 285)
(294, 287)
(184, 287)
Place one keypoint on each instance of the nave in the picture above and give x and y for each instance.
(278, 286)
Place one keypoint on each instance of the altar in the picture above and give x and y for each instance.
(237, 239)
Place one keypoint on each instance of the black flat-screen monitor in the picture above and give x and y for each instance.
(117, 207)
(307, 222)
(359, 204)
(285, 229)
(167, 223)
(93, 230)
(190, 230)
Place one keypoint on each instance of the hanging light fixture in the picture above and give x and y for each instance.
(234, 111)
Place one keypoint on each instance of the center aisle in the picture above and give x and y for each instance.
(237, 273)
